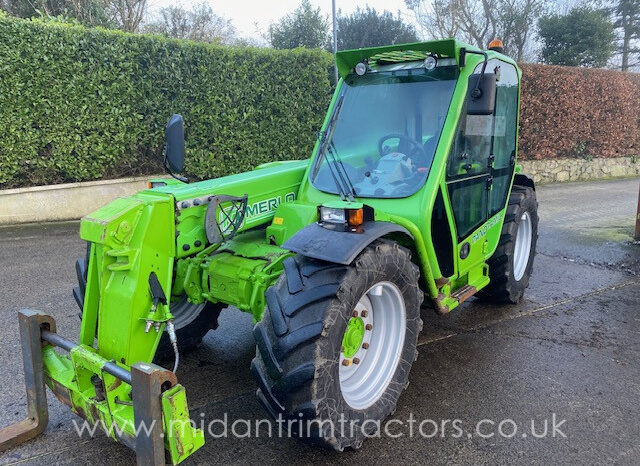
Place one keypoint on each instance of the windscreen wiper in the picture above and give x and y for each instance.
(327, 136)
(351, 192)
(335, 180)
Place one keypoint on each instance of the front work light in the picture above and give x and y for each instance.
(430, 63)
(342, 218)
(361, 68)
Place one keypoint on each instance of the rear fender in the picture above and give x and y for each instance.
(521, 179)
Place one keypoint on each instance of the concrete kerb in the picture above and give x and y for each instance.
(69, 201)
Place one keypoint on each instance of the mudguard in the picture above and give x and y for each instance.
(524, 180)
(340, 247)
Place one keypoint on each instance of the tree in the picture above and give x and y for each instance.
(626, 15)
(28, 8)
(304, 27)
(583, 37)
(118, 14)
(368, 28)
(480, 21)
(86, 12)
(127, 14)
(469, 20)
(517, 22)
(200, 24)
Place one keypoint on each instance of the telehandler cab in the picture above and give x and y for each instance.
(412, 193)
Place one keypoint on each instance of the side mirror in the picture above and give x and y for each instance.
(481, 94)
(174, 150)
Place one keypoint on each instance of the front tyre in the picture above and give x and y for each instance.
(336, 343)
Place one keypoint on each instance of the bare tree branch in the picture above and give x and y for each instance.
(480, 21)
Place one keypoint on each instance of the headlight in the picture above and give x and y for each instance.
(331, 215)
(344, 218)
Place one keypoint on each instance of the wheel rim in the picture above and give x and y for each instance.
(184, 312)
(369, 358)
(522, 248)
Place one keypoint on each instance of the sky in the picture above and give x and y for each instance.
(245, 14)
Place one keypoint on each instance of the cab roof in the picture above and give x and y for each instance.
(346, 60)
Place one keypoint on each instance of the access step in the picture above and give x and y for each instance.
(463, 293)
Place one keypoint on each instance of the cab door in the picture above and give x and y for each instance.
(481, 163)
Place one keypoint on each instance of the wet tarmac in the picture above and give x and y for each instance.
(487, 381)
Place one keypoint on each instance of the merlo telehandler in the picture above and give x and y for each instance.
(412, 198)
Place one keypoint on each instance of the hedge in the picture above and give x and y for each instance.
(80, 104)
(576, 112)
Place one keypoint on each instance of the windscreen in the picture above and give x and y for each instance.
(387, 127)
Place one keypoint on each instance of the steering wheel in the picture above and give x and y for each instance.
(406, 145)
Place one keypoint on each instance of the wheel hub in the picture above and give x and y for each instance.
(353, 337)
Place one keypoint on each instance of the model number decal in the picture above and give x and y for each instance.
(483, 231)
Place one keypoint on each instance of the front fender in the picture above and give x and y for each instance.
(340, 247)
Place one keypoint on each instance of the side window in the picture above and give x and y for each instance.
(468, 172)
(469, 203)
(482, 156)
(471, 148)
(504, 140)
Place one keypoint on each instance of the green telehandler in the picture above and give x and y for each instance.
(412, 198)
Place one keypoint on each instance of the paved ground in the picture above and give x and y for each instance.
(570, 350)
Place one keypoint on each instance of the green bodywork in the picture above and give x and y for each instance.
(162, 230)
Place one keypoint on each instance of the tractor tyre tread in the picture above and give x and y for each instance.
(302, 307)
(503, 288)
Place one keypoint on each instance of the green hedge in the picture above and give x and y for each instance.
(81, 104)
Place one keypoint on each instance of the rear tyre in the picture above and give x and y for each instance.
(511, 265)
(192, 321)
(318, 316)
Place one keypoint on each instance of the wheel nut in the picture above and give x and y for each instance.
(365, 345)
(356, 360)
(346, 362)
(364, 313)
(355, 313)
(368, 326)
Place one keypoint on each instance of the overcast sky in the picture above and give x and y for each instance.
(245, 14)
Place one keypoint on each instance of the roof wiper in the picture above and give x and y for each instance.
(327, 136)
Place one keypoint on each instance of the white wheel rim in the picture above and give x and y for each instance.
(362, 384)
(522, 248)
(184, 312)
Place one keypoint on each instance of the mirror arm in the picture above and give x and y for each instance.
(168, 169)
(476, 91)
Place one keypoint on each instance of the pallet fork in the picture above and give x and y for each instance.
(148, 382)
